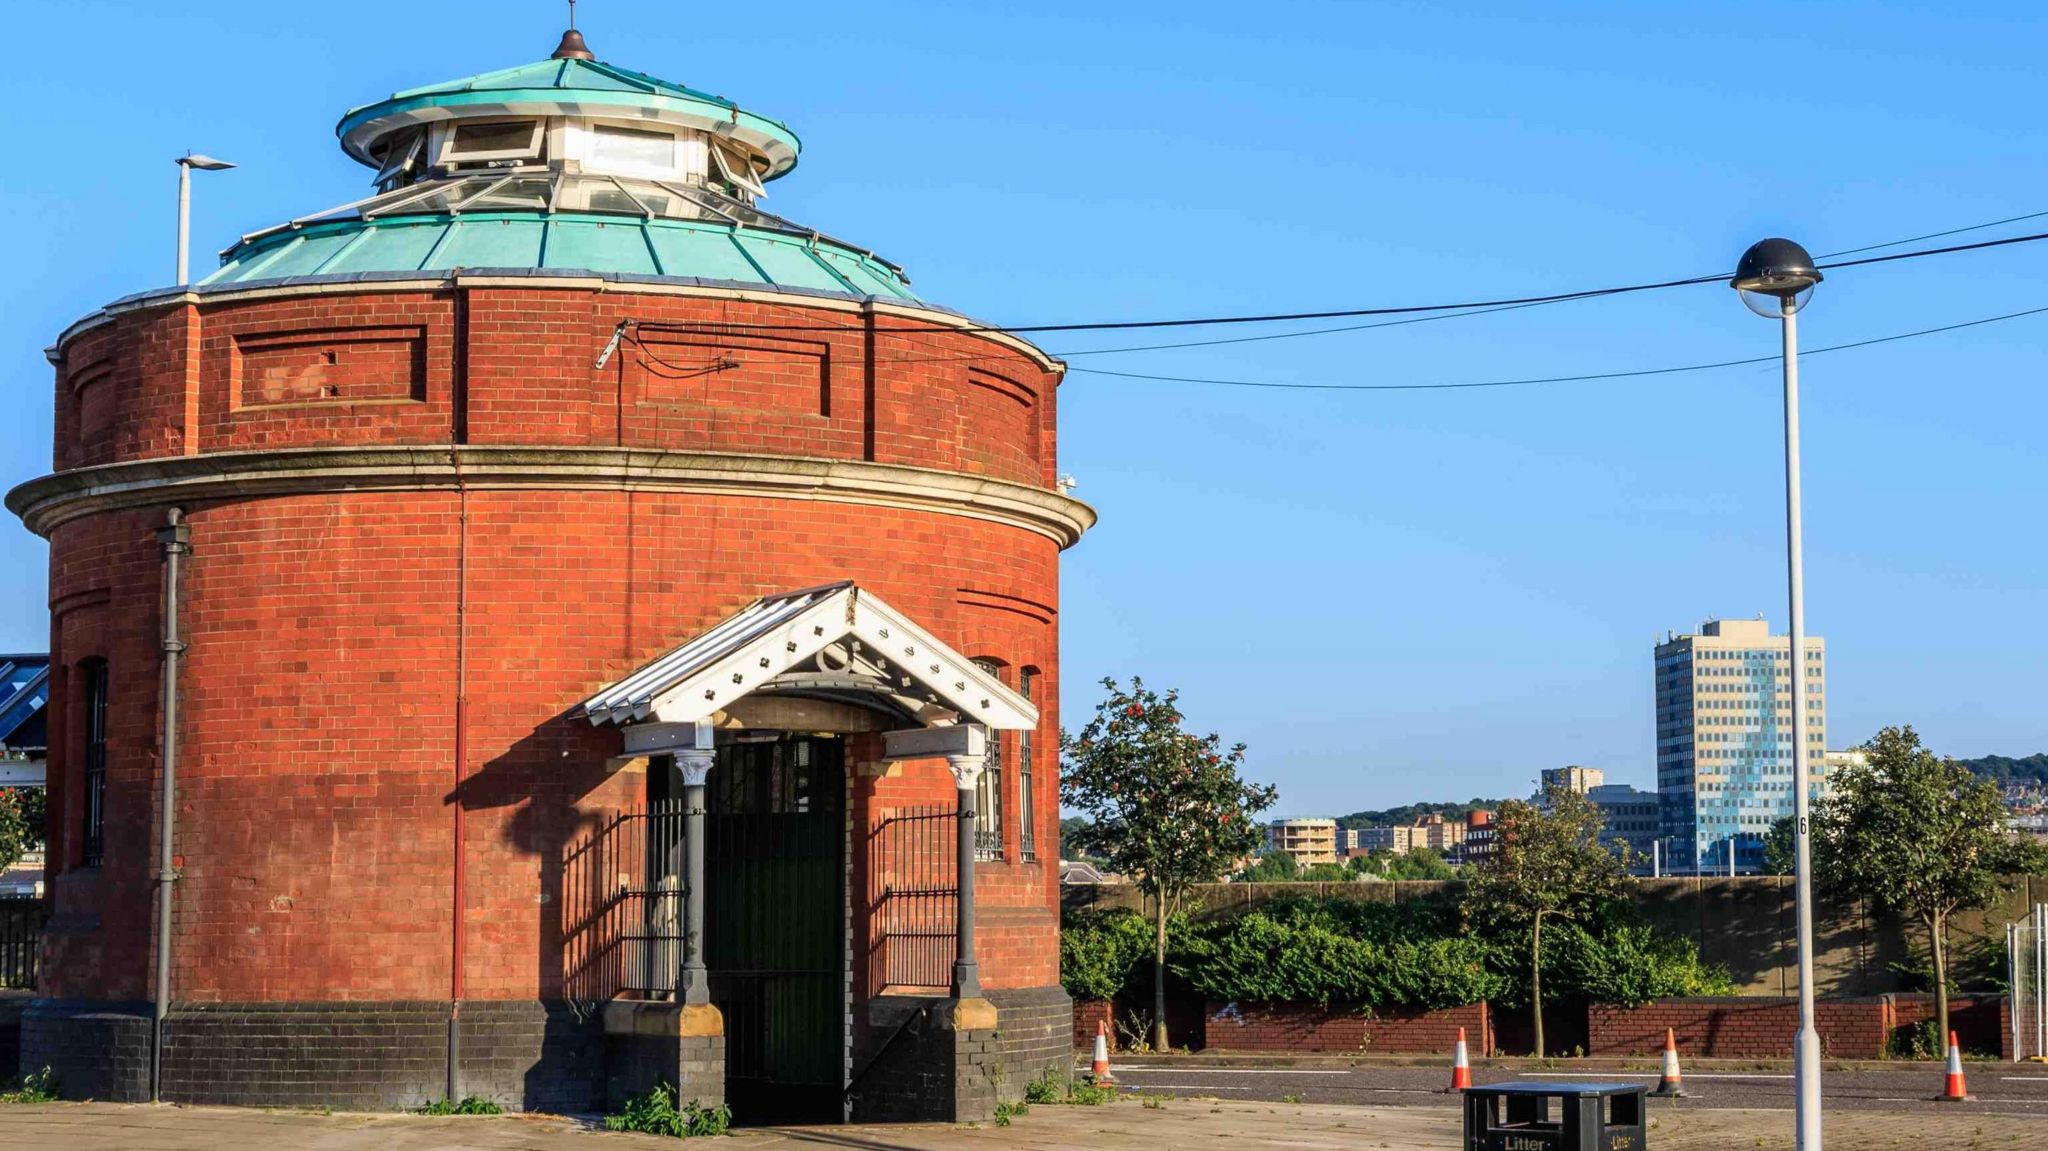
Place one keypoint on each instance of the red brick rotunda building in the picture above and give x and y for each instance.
(610, 634)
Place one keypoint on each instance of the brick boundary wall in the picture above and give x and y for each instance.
(1315, 1027)
(1759, 1027)
(1087, 1014)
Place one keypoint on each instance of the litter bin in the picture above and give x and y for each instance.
(1538, 1116)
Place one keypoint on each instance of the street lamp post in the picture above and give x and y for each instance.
(1775, 278)
(186, 163)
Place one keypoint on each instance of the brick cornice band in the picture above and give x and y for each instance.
(51, 500)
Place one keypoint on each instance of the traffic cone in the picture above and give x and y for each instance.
(1957, 1091)
(1670, 1086)
(1099, 1071)
(1461, 1067)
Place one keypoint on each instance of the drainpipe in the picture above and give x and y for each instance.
(459, 878)
(175, 538)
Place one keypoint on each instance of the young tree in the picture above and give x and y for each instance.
(1920, 834)
(1780, 853)
(1547, 864)
(1165, 807)
(21, 823)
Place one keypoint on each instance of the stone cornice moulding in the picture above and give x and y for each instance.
(45, 503)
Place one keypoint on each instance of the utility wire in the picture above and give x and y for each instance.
(1931, 236)
(1559, 379)
(1348, 313)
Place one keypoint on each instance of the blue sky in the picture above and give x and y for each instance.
(1389, 596)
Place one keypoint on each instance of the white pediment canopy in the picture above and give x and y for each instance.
(827, 640)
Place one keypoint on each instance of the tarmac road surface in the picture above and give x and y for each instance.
(1998, 1088)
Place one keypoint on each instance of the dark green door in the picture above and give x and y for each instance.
(774, 926)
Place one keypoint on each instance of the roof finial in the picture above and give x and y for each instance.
(572, 46)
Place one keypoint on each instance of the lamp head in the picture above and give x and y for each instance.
(1775, 277)
(203, 163)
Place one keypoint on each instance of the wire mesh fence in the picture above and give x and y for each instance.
(2026, 948)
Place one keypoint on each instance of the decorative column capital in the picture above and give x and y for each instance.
(695, 765)
(966, 770)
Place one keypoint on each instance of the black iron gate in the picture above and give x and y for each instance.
(774, 924)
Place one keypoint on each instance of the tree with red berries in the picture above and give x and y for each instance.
(1164, 806)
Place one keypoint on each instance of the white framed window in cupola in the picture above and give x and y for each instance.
(736, 169)
(401, 158)
(479, 141)
(630, 151)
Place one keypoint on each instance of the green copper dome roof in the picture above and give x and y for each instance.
(547, 202)
(617, 226)
(568, 87)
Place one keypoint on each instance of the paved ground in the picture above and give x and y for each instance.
(1179, 1123)
(2002, 1088)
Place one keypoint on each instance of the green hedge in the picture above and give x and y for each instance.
(1416, 955)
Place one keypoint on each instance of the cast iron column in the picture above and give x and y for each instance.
(695, 766)
(966, 976)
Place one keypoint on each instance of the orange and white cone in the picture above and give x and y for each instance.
(1671, 1084)
(1957, 1091)
(1461, 1067)
(1099, 1070)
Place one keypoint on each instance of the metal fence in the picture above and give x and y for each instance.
(622, 906)
(21, 935)
(2026, 949)
(913, 891)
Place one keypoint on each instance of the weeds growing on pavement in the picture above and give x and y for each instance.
(471, 1105)
(658, 1113)
(1052, 1087)
(1007, 1111)
(1290, 1099)
(37, 1087)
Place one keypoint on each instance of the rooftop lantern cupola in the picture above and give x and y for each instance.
(554, 149)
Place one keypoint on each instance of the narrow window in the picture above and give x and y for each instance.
(1027, 837)
(469, 141)
(95, 760)
(988, 794)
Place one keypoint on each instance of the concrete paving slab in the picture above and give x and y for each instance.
(1123, 1126)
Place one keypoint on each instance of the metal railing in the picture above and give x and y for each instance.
(622, 906)
(2026, 946)
(913, 893)
(21, 936)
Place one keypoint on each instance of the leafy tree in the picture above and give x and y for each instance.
(1547, 864)
(1920, 834)
(1417, 863)
(1780, 853)
(21, 823)
(1071, 829)
(1165, 807)
(1269, 867)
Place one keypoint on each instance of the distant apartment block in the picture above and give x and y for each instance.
(1385, 840)
(1573, 778)
(1309, 841)
(1724, 740)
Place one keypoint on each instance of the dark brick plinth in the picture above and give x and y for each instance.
(355, 1056)
(646, 1043)
(96, 1050)
(933, 1060)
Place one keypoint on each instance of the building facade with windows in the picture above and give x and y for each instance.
(1724, 740)
(1309, 841)
(601, 602)
(1573, 778)
(1631, 818)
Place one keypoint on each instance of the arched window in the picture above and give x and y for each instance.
(1027, 836)
(988, 794)
(95, 759)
